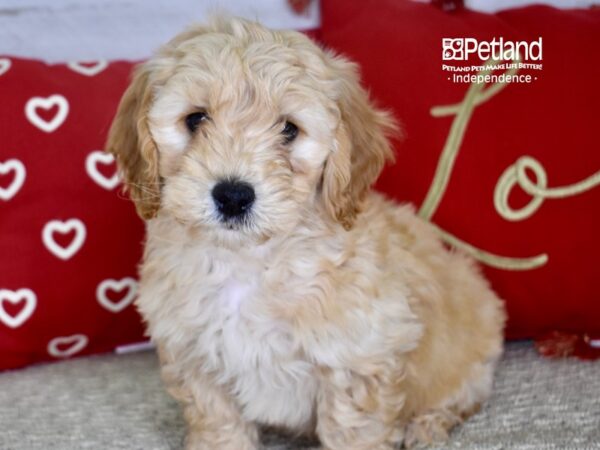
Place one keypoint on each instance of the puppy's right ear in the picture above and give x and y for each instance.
(129, 140)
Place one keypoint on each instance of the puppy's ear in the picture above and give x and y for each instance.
(130, 141)
(361, 146)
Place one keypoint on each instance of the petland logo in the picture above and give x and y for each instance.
(460, 49)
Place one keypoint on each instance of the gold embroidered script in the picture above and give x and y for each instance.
(477, 94)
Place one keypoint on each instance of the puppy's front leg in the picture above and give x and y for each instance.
(359, 412)
(215, 424)
(213, 419)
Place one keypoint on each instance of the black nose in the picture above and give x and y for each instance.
(233, 198)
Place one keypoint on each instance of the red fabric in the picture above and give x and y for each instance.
(560, 345)
(67, 316)
(555, 119)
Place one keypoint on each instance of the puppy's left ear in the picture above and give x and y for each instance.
(361, 145)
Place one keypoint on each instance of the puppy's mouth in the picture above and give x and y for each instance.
(234, 201)
(236, 223)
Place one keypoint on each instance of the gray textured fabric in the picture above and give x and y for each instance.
(117, 402)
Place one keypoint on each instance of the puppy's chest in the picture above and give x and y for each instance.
(254, 352)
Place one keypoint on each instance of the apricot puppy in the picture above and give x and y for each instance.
(279, 289)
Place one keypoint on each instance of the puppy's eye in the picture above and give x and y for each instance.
(289, 132)
(193, 121)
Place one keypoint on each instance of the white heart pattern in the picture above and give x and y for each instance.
(5, 64)
(21, 295)
(89, 69)
(16, 166)
(128, 284)
(91, 166)
(46, 103)
(57, 226)
(65, 346)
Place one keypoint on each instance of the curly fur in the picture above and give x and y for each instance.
(330, 310)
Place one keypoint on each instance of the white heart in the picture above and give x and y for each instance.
(74, 343)
(47, 103)
(89, 70)
(5, 64)
(17, 182)
(91, 166)
(116, 285)
(55, 226)
(26, 295)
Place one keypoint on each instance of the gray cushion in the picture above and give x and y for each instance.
(117, 402)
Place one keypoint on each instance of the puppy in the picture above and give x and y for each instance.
(279, 289)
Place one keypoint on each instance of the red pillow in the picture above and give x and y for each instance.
(70, 243)
(548, 125)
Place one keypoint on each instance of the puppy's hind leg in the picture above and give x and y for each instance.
(429, 428)
(433, 425)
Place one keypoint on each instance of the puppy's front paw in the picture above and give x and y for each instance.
(202, 441)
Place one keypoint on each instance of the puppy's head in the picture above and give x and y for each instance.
(239, 129)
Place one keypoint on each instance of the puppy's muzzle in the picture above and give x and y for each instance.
(233, 199)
